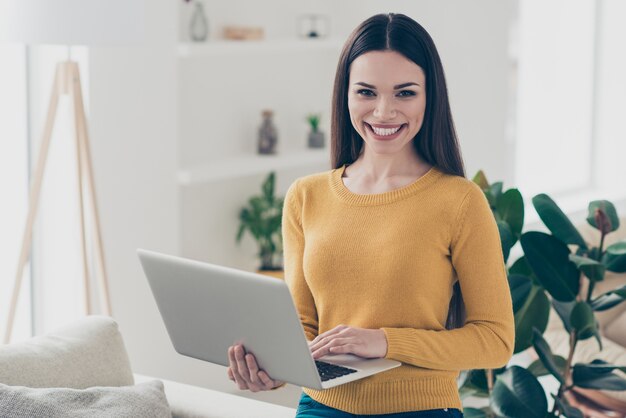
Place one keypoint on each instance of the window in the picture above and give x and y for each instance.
(14, 185)
(556, 86)
(570, 101)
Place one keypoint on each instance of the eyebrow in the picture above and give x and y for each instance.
(399, 86)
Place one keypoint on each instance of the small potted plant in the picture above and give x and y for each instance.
(316, 137)
(262, 219)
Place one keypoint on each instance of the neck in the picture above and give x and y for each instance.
(379, 167)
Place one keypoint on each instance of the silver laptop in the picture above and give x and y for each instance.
(207, 308)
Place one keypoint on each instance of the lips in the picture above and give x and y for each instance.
(385, 137)
(378, 125)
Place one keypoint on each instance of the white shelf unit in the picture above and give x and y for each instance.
(243, 165)
(249, 165)
(234, 47)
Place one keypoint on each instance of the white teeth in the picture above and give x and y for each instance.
(385, 132)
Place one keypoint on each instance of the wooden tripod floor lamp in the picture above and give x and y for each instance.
(66, 81)
(69, 22)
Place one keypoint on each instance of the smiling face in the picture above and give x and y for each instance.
(386, 100)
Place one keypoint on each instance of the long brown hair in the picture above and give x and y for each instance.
(436, 142)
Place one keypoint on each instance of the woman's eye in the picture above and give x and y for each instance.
(409, 93)
(364, 92)
(370, 93)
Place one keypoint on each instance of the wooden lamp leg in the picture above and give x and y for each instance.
(66, 80)
(105, 301)
(72, 81)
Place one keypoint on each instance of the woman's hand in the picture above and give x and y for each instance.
(363, 342)
(244, 371)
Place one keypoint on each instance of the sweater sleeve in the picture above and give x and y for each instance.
(293, 255)
(487, 339)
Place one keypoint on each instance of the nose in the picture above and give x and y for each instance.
(385, 109)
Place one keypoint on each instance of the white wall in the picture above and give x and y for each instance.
(138, 144)
(133, 124)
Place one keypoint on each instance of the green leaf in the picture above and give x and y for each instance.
(608, 208)
(619, 248)
(520, 286)
(510, 206)
(557, 222)
(564, 310)
(522, 267)
(506, 238)
(584, 322)
(568, 410)
(476, 381)
(545, 355)
(517, 393)
(493, 193)
(538, 369)
(609, 299)
(481, 180)
(549, 259)
(533, 313)
(242, 228)
(614, 263)
(600, 366)
(592, 269)
(268, 186)
(598, 375)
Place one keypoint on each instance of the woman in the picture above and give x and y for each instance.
(379, 250)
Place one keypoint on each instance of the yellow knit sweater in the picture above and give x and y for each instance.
(389, 261)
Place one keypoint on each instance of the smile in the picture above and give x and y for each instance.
(385, 133)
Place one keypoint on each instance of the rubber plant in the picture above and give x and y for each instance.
(548, 276)
(262, 219)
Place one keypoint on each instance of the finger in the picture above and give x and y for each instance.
(336, 345)
(323, 340)
(242, 367)
(230, 374)
(233, 366)
(265, 380)
(333, 331)
(253, 368)
(268, 381)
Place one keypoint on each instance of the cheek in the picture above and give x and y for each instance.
(357, 111)
(416, 112)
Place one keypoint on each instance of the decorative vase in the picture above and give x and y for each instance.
(199, 27)
(316, 139)
(268, 135)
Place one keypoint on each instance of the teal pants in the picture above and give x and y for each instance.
(310, 408)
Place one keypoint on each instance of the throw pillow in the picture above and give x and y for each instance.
(144, 400)
(89, 352)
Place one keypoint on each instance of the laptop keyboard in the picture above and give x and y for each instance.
(329, 371)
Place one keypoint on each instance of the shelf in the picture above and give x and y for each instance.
(221, 47)
(249, 165)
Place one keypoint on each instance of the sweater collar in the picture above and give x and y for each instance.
(344, 194)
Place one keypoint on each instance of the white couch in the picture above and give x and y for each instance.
(90, 353)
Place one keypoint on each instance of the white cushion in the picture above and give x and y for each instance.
(88, 352)
(145, 400)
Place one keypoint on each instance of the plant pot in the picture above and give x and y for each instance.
(316, 139)
(279, 274)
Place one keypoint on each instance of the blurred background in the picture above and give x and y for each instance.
(537, 94)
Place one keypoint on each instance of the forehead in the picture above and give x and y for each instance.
(382, 68)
